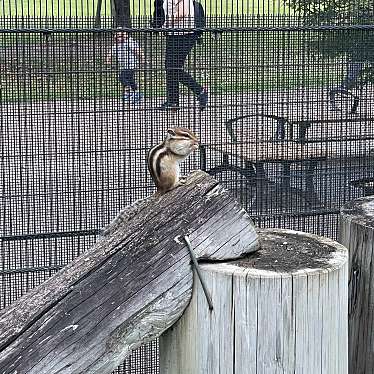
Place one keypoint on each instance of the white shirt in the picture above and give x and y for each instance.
(187, 20)
(125, 53)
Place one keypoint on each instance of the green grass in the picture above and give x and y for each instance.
(234, 64)
(61, 8)
(87, 8)
(225, 7)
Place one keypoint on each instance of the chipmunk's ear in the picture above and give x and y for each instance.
(171, 132)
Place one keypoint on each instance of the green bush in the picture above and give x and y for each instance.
(355, 44)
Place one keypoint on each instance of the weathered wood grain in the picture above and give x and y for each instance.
(127, 289)
(357, 234)
(281, 310)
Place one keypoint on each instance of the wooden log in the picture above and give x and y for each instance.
(281, 310)
(356, 232)
(128, 288)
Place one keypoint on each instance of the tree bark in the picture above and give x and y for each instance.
(357, 234)
(281, 310)
(128, 288)
(97, 22)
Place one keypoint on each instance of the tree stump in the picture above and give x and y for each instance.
(357, 234)
(282, 310)
(127, 289)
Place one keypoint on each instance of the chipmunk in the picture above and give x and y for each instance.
(164, 159)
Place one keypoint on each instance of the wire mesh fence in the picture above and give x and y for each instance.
(287, 123)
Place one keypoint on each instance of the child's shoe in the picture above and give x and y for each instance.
(137, 97)
(127, 96)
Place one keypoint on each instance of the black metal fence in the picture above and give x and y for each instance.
(288, 127)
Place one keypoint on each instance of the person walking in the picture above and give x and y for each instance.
(180, 14)
(128, 54)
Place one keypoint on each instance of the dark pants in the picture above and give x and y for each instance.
(177, 49)
(127, 78)
(351, 80)
(353, 72)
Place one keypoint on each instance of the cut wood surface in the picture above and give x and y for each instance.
(128, 288)
(281, 310)
(357, 234)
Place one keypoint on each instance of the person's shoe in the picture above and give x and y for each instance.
(127, 96)
(169, 106)
(137, 97)
(203, 99)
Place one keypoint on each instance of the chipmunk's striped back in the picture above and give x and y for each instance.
(155, 155)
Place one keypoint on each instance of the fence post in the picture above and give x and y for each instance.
(281, 310)
(357, 234)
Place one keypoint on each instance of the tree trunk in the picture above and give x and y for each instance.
(121, 13)
(281, 310)
(97, 22)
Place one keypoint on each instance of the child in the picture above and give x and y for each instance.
(128, 54)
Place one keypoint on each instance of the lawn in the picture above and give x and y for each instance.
(72, 66)
(44, 66)
(87, 8)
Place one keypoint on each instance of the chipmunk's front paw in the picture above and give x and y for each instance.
(181, 182)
